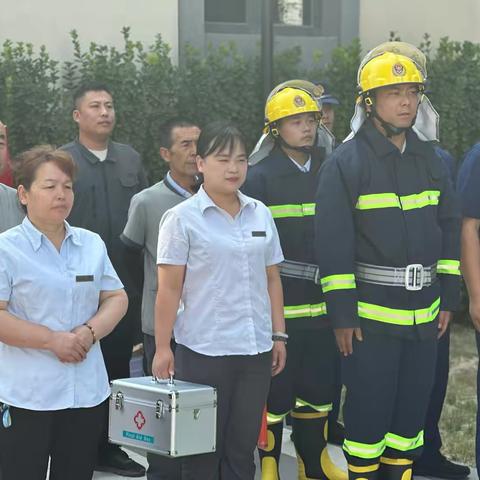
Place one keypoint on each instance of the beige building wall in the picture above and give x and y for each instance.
(410, 19)
(48, 22)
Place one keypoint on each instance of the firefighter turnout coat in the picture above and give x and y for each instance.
(289, 193)
(379, 206)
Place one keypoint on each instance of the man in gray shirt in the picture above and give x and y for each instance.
(178, 147)
(10, 212)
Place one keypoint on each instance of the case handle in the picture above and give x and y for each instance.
(170, 380)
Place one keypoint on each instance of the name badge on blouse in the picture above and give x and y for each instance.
(84, 278)
(259, 233)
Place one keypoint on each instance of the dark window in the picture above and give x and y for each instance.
(228, 11)
(292, 12)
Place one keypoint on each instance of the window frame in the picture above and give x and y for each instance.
(253, 24)
(310, 25)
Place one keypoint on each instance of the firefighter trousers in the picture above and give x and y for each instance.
(308, 376)
(306, 389)
(388, 381)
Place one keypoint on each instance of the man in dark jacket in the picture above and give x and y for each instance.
(387, 237)
(468, 188)
(432, 463)
(109, 175)
(285, 180)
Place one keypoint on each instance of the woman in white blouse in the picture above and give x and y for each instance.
(59, 295)
(217, 254)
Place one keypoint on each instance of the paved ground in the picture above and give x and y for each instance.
(288, 465)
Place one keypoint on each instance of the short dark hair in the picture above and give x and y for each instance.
(26, 164)
(218, 136)
(165, 131)
(92, 86)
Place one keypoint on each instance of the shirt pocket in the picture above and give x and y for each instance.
(258, 241)
(129, 179)
(86, 298)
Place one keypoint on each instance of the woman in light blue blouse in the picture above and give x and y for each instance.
(218, 253)
(59, 295)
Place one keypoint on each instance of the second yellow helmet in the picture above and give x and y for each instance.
(288, 102)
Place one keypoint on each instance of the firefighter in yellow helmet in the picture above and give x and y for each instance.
(285, 180)
(325, 140)
(387, 239)
(389, 69)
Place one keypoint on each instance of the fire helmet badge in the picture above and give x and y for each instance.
(398, 70)
(299, 101)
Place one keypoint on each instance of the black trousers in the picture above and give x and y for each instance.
(159, 467)
(117, 352)
(388, 381)
(242, 383)
(68, 437)
(309, 374)
(337, 395)
(433, 439)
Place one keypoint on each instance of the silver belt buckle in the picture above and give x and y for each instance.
(417, 274)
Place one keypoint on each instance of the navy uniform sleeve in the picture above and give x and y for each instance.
(448, 266)
(254, 185)
(335, 244)
(448, 160)
(468, 184)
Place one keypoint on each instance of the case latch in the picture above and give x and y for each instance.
(160, 409)
(118, 401)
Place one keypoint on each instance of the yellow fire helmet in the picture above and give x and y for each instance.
(393, 63)
(400, 48)
(288, 102)
(315, 91)
(387, 69)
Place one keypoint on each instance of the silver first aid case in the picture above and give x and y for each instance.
(173, 418)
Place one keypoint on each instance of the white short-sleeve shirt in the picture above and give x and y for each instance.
(60, 290)
(226, 306)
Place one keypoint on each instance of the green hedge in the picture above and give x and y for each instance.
(36, 90)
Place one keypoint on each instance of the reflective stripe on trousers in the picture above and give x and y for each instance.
(375, 450)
